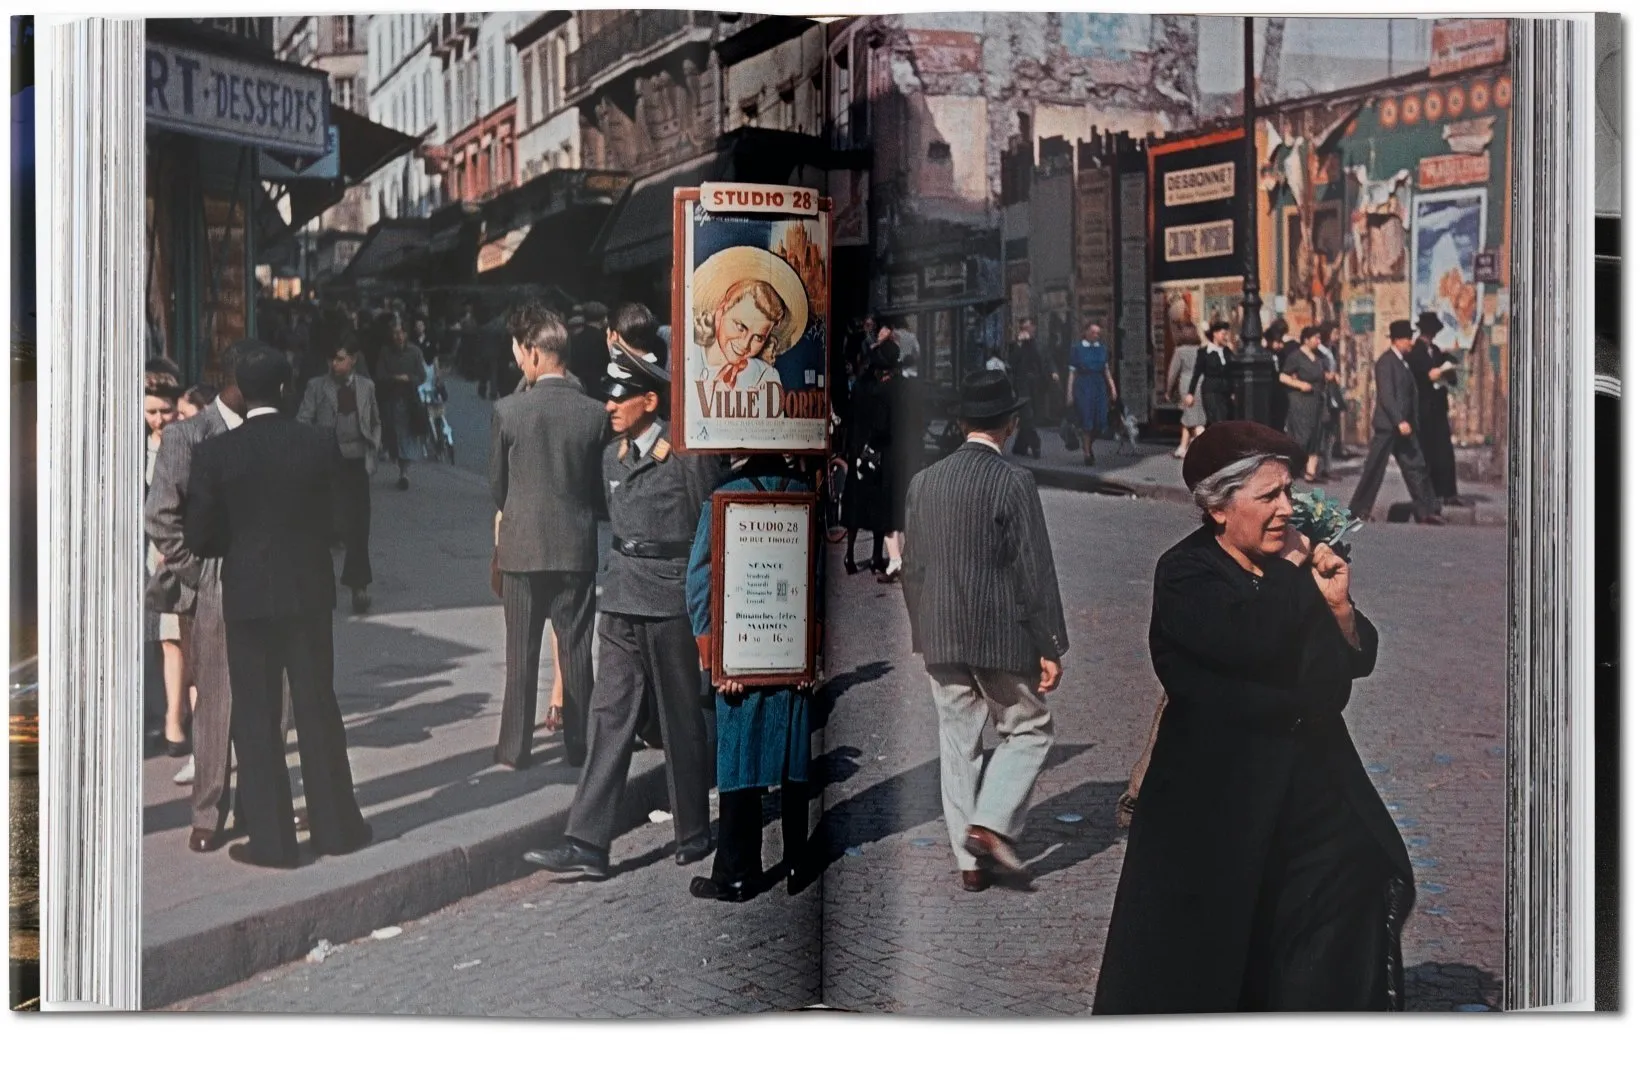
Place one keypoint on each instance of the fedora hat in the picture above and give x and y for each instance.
(987, 395)
(1430, 323)
(748, 263)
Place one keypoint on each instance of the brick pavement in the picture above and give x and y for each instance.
(901, 935)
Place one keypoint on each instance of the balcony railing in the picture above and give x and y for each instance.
(628, 36)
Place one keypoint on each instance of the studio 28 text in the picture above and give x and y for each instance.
(740, 197)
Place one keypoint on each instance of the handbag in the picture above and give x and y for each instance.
(1335, 397)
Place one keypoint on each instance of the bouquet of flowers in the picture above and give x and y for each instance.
(1321, 519)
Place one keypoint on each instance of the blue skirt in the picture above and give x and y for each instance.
(1092, 402)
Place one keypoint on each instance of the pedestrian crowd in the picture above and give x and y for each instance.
(1250, 783)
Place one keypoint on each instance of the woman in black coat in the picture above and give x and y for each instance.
(866, 439)
(1262, 869)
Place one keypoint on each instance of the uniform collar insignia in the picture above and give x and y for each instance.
(625, 444)
(662, 450)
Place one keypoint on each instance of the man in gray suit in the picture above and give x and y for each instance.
(983, 598)
(645, 642)
(1395, 430)
(546, 455)
(343, 405)
(196, 581)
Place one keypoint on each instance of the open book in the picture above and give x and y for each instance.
(668, 513)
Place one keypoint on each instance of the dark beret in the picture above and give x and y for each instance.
(1222, 444)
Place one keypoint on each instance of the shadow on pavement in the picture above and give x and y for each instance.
(1055, 844)
(1447, 986)
(897, 804)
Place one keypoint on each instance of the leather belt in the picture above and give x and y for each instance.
(631, 547)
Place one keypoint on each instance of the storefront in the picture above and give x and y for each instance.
(1392, 203)
(215, 100)
(944, 282)
(1198, 197)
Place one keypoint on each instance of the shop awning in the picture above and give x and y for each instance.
(390, 246)
(364, 147)
(639, 230)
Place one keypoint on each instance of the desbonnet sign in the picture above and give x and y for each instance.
(267, 105)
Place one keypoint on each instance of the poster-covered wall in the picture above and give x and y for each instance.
(1391, 205)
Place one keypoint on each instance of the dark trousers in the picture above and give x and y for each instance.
(392, 398)
(740, 831)
(1435, 438)
(260, 654)
(636, 655)
(1027, 441)
(528, 601)
(352, 513)
(1411, 461)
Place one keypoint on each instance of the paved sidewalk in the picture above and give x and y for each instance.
(419, 680)
(1154, 472)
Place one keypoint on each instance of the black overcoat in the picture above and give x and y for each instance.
(1257, 675)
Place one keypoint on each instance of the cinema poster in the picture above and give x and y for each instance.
(751, 319)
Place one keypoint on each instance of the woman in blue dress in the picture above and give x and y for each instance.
(1090, 388)
(762, 732)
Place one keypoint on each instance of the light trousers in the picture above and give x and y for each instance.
(966, 699)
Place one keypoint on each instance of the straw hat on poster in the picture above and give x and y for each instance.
(725, 273)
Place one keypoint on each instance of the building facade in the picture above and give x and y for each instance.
(407, 94)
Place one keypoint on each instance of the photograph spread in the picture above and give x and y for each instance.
(664, 513)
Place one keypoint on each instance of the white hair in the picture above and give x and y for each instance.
(1215, 491)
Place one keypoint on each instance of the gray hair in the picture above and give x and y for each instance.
(1215, 491)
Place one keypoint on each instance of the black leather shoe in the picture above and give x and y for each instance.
(694, 850)
(241, 852)
(849, 566)
(571, 858)
(724, 891)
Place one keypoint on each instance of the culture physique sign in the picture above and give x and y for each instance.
(764, 629)
(253, 102)
(751, 318)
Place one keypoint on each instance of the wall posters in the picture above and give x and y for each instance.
(1464, 44)
(1448, 231)
(764, 632)
(1180, 313)
(750, 318)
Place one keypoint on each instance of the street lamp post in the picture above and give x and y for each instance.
(1252, 372)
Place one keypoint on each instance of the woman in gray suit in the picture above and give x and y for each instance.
(1180, 371)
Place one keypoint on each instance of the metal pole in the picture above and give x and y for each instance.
(1252, 374)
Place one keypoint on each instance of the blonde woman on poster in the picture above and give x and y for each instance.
(749, 307)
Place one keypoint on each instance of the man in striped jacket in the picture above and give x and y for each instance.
(985, 612)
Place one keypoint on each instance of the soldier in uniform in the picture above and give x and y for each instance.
(645, 641)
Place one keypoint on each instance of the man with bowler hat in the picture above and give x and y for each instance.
(983, 599)
(1435, 373)
(645, 641)
(1395, 430)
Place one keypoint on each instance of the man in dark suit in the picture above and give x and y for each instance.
(1434, 372)
(589, 346)
(983, 598)
(645, 642)
(546, 461)
(192, 583)
(260, 499)
(1025, 364)
(1395, 430)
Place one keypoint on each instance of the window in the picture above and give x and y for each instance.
(843, 82)
(527, 103)
(786, 110)
(344, 93)
(341, 33)
(449, 103)
(415, 105)
(506, 73)
(939, 152)
(555, 86)
(427, 97)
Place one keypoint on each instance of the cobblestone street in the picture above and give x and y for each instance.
(900, 933)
